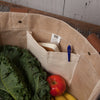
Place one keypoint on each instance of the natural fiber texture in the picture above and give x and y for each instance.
(83, 76)
(54, 62)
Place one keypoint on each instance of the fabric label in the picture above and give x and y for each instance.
(55, 39)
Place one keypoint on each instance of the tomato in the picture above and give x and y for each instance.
(57, 85)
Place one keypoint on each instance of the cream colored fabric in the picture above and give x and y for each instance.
(83, 73)
(54, 62)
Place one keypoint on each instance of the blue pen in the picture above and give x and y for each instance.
(69, 52)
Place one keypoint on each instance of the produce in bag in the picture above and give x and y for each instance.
(21, 74)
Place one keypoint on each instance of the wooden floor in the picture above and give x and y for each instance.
(83, 27)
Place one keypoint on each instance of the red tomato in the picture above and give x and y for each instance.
(57, 85)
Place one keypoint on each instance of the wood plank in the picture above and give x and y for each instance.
(22, 10)
(92, 38)
(83, 27)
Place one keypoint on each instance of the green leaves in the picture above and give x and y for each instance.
(12, 81)
(5, 96)
(21, 75)
(36, 76)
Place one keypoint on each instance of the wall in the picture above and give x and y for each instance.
(85, 10)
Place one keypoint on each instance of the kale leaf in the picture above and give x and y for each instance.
(22, 74)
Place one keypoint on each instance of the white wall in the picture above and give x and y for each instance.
(85, 10)
(53, 6)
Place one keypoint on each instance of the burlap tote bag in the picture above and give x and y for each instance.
(83, 71)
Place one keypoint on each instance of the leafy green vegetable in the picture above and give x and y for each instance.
(12, 80)
(22, 75)
(1, 86)
(5, 96)
(36, 76)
